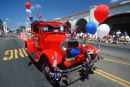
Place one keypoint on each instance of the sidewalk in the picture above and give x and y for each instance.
(95, 43)
(107, 43)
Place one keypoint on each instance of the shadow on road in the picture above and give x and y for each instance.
(35, 64)
(83, 76)
(66, 81)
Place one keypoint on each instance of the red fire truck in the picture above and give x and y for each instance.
(56, 53)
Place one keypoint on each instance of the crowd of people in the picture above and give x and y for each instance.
(115, 37)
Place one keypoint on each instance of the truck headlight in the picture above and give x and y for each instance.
(63, 46)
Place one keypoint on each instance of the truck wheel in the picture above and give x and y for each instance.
(46, 69)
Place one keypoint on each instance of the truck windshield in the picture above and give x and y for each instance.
(47, 28)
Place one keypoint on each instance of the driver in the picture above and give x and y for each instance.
(44, 28)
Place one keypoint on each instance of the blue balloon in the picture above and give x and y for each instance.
(91, 27)
(35, 20)
(75, 52)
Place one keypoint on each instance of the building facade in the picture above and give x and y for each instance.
(119, 18)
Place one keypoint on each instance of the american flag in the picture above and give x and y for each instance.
(22, 34)
(91, 52)
(101, 57)
(97, 50)
(87, 61)
(55, 61)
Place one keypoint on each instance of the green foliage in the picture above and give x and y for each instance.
(18, 30)
(1, 24)
(23, 27)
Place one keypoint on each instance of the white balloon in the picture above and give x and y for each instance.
(103, 30)
(28, 11)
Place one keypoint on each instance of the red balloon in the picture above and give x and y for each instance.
(28, 5)
(101, 13)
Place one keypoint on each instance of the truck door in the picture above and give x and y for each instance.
(36, 37)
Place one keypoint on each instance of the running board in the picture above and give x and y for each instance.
(34, 56)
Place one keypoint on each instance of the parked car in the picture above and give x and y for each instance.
(17, 33)
(56, 53)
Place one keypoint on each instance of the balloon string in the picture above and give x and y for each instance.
(98, 36)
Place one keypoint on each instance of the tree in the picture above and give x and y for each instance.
(23, 27)
(18, 30)
(1, 24)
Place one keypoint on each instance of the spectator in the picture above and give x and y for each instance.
(125, 33)
(126, 39)
(122, 38)
(81, 35)
(88, 37)
(113, 35)
(116, 40)
(93, 37)
(110, 39)
(104, 38)
(85, 36)
(118, 34)
(99, 39)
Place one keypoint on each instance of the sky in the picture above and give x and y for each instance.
(13, 12)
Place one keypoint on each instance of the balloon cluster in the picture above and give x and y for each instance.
(28, 11)
(100, 13)
(28, 6)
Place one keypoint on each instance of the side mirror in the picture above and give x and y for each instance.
(31, 32)
(28, 31)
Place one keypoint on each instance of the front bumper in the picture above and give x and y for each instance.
(76, 68)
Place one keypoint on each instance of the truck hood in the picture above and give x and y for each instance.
(55, 38)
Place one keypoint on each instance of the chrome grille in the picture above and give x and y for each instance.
(68, 55)
(73, 44)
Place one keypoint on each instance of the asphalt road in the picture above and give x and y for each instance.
(112, 71)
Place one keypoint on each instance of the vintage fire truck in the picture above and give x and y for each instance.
(56, 53)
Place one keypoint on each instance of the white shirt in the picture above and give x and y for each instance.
(122, 36)
(81, 34)
(126, 37)
(118, 33)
